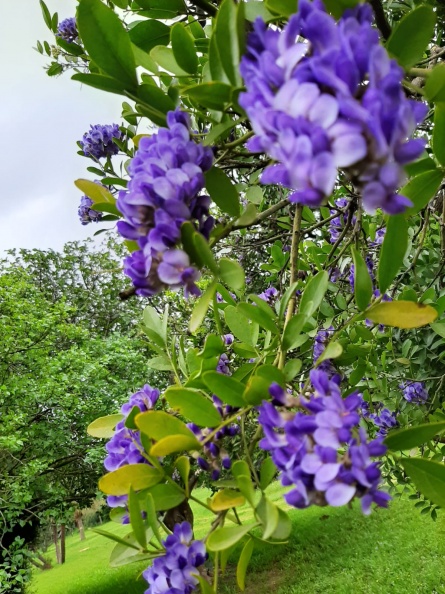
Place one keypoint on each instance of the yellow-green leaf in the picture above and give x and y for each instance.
(96, 192)
(402, 314)
(174, 443)
(138, 476)
(104, 426)
(226, 499)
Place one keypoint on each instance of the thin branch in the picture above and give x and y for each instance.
(206, 6)
(380, 18)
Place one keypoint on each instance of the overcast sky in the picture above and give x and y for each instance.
(41, 118)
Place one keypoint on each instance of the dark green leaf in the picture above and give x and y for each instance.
(421, 189)
(362, 281)
(228, 40)
(106, 41)
(231, 273)
(46, 15)
(411, 36)
(227, 388)
(193, 405)
(268, 472)
(282, 7)
(314, 293)
(213, 95)
(137, 523)
(393, 251)
(257, 390)
(412, 437)
(241, 328)
(222, 191)
(166, 496)
(292, 331)
(429, 478)
(206, 255)
(184, 48)
(435, 84)
(254, 313)
(165, 58)
(148, 34)
(222, 538)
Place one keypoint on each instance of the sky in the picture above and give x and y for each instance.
(41, 118)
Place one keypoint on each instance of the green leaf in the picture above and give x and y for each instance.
(222, 191)
(254, 313)
(104, 426)
(393, 251)
(421, 189)
(106, 207)
(362, 281)
(46, 15)
(439, 133)
(254, 194)
(217, 131)
(231, 273)
(156, 99)
(412, 437)
(229, 40)
(165, 58)
(226, 499)
(204, 585)
(289, 292)
(402, 314)
(435, 84)
(282, 7)
(284, 527)
(157, 424)
(193, 405)
(292, 331)
(268, 471)
(243, 329)
(143, 59)
(174, 443)
(184, 48)
(267, 512)
(256, 9)
(137, 523)
(161, 363)
(227, 388)
(257, 390)
(96, 192)
(248, 216)
(314, 293)
(411, 36)
(338, 7)
(152, 518)
(201, 306)
(243, 563)
(332, 351)
(439, 328)
(106, 41)
(188, 233)
(183, 466)
(122, 554)
(222, 538)
(291, 369)
(138, 476)
(428, 476)
(202, 246)
(150, 33)
(272, 374)
(166, 496)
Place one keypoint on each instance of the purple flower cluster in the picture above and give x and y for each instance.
(176, 571)
(167, 174)
(321, 452)
(214, 455)
(320, 340)
(385, 420)
(414, 392)
(337, 225)
(379, 237)
(125, 446)
(269, 295)
(86, 213)
(334, 100)
(224, 362)
(67, 30)
(99, 141)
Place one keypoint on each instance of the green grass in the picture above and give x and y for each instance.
(330, 551)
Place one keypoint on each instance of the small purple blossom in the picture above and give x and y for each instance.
(176, 571)
(385, 421)
(321, 339)
(321, 452)
(98, 142)
(228, 339)
(324, 95)
(223, 364)
(86, 213)
(67, 30)
(414, 392)
(269, 295)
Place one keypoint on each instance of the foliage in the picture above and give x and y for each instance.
(318, 329)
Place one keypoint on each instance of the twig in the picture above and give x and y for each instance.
(380, 18)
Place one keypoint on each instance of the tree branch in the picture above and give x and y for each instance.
(380, 18)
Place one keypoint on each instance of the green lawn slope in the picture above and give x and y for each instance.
(337, 551)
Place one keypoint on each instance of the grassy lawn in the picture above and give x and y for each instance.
(330, 551)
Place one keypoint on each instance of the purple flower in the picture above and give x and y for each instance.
(321, 452)
(228, 339)
(337, 224)
(414, 392)
(99, 141)
(269, 295)
(370, 266)
(223, 364)
(176, 571)
(385, 421)
(379, 237)
(333, 100)
(86, 213)
(125, 446)
(320, 340)
(67, 30)
(167, 176)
